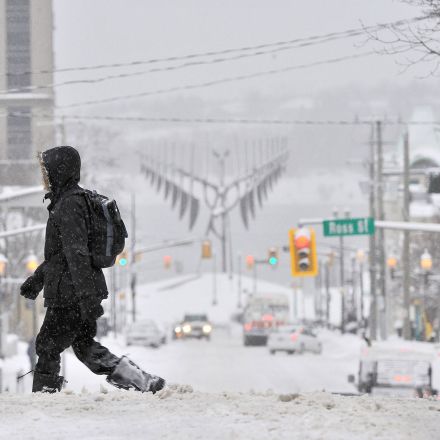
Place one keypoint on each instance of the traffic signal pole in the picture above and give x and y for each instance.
(342, 273)
(381, 233)
(342, 281)
(239, 286)
(327, 293)
(372, 243)
(406, 237)
(133, 257)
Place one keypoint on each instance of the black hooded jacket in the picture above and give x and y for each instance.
(67, 272)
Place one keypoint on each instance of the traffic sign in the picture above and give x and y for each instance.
(348, 226)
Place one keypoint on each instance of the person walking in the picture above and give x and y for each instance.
(73, 286)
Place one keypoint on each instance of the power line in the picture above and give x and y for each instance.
(279, 47)
(324, 37)
(244, 121)
(219, 81)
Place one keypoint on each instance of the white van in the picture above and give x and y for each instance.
(397, 369)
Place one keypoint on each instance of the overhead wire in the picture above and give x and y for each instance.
(217, 81)
(245, 121)
(259, 50)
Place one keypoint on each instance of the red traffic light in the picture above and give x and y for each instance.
(250, 261)
(304, 260)
(302, 238)
(167, 260)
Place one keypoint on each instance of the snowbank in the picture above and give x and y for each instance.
(178, 412)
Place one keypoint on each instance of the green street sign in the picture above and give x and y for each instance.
(348, 226)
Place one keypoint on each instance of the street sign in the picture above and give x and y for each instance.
(348, 226)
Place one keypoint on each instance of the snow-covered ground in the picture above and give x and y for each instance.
(180, 413)
(228, 391)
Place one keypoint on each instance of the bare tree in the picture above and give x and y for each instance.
(418, 40)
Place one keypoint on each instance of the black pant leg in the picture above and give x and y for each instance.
(59, 329)
(91, 353)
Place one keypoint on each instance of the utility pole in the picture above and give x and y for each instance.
(327, 293)
(381, 233)
(406, 266)
(294, 301)
(214, 279)
(63, 130)
(353, 295)
(372, 241)
(239, 287)
(342, 272)
(318, 295)
(254, 278)
(113, 299)
(133, 257)
(361, 292)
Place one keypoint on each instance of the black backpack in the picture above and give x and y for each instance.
(107, 232)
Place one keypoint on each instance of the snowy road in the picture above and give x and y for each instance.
(224, 364)
(181, 414)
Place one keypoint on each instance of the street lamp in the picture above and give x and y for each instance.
(426, 266)
(392, 264)
(426, 261)
(361, 257)
(3, 263)
(327, 266)
(31, 264)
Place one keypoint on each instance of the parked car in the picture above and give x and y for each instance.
(145, 333)
(193, 326)
(293, 339)
(403, 369)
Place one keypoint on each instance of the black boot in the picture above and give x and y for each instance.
(127, 375)
(47, 383)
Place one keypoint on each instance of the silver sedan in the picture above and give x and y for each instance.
(293, 339)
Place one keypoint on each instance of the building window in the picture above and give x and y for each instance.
(19, 133)
(18, 67)
(18, 43)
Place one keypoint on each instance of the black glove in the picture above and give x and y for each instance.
(31, 287)
(90, 308)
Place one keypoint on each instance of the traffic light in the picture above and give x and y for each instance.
(250, 261)
(273, 256)
(122, 259)
(206, 249)
(304, 260)
(392, 264)
(167, 260)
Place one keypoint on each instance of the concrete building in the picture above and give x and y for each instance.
(26, 103)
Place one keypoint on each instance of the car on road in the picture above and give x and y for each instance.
(400, 369)
(293, 339)
(193, 326)
(146, 333)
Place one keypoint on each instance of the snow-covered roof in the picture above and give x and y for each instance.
(22, 196)
(423, 210)
(400, 350)
(423, 140)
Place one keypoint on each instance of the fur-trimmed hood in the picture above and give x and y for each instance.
(61, 168)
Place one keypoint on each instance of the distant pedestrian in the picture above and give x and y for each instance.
(31, 353)
(73, 286)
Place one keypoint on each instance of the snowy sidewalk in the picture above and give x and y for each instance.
(178, 412)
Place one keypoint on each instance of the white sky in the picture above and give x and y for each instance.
(107, 31)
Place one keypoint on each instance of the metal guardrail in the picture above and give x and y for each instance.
(24, 230)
